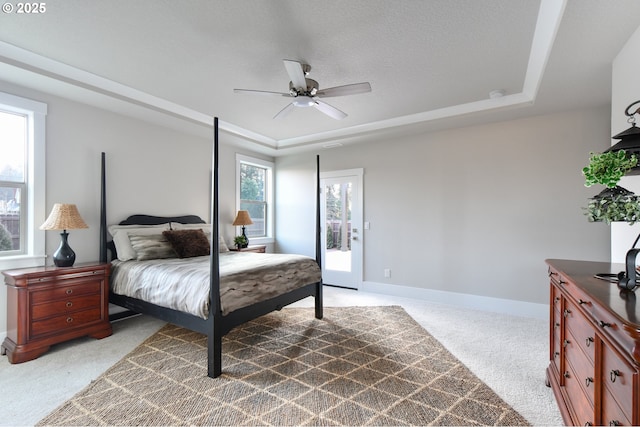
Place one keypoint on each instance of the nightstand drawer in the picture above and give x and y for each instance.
(66, 306)
(66, 321)
(61, 292)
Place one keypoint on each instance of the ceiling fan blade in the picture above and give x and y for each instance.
(329, 110)
(285, 111)
(259, 92)
(351, 89)
(296, 73)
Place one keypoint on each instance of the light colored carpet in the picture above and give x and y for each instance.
(358, 366)
(508, 353)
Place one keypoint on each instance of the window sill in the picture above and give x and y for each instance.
(21, 261)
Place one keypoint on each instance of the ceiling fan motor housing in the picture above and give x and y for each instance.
(312, 88)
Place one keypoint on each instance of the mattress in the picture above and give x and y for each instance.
(183, 283)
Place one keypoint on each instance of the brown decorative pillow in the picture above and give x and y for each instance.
(188, 243)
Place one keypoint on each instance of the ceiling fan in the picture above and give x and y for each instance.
(306, 92)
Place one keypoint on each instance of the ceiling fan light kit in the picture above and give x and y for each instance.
(307, 93)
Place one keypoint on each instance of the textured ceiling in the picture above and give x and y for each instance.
(424, 60)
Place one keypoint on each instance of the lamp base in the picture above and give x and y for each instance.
(64, 256)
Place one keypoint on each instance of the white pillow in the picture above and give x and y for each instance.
(206, 228)
(120, 234)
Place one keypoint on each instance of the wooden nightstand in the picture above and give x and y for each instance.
(251, 248)
(49, 305)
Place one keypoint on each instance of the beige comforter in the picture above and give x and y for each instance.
(183, 284)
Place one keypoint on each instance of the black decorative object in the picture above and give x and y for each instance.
(64, 256)
(630, 138)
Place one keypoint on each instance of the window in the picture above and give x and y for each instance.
(254, 193)
(22, 174)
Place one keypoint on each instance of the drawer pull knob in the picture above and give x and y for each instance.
(614, 374)
(588, 381)
(588, 423)
(589, 340)
(604, 324)
(614, 423)
(69, 304)
(556, 354)
(562, 282)
(565, 343)
(566, 312)
(556, 299)
(581, 301)
(69, 291)
(69, 319)
(566, 374)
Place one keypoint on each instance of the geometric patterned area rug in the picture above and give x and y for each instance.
(357, 366)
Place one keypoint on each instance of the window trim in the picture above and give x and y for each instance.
(269, 190)
(35, 174)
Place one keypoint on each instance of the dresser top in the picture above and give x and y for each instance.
(623, 304)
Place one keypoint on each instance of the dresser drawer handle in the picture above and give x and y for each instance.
(604, 324)
(69, 304)
(556, 354)
(581, 301)
(566, 374)
(565, 343)
(614, 423)
(566, 312)
(562, 282)
(588, 342)
(69, 291)
(556, 299)
(614, 374)
(69, 319)
(588, 423)
(588, 381)
(556, 325)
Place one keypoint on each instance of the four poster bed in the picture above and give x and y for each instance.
(210, 292)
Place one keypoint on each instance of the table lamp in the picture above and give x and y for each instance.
(243, 218)
(64, 217)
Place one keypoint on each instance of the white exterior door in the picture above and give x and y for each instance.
(341, 219)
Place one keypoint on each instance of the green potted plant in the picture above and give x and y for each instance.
(614, 203)
(241, 241)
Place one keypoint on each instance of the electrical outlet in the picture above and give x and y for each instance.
(387, 272)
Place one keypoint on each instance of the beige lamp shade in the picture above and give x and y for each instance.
(64, 217)
(242, 218)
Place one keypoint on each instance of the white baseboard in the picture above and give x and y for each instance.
(477, 302)
(3, 335)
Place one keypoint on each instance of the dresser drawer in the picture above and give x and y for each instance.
(582, 330)
(580, 404)
(67, 291)
(64, 306)
(555, 350)
(612, 414)
(618, 377)
(67, 321)
(581, 366)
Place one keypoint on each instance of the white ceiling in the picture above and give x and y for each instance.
(431, 63)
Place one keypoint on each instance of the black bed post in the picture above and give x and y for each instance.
(214, 339)
(103, 212)
(318, 297)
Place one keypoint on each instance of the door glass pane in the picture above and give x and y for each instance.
(338, 226)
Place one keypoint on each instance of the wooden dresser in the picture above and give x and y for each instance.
(594, 345)
(49, 305)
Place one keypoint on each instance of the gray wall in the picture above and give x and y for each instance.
(474, 210)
